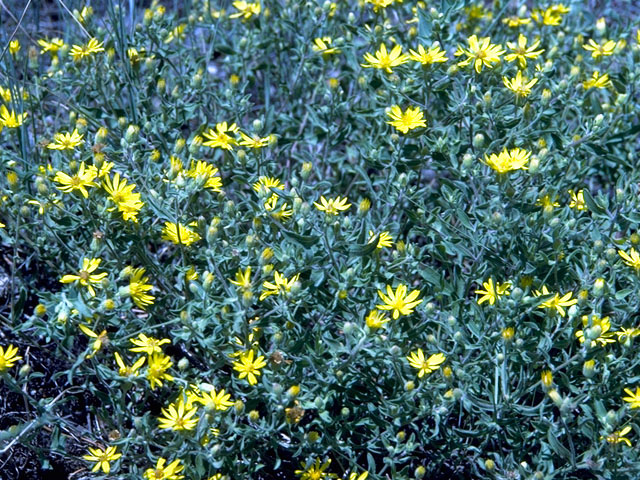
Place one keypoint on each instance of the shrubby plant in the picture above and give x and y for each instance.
(279, 239)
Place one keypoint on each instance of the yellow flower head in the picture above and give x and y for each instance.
(598, 50)
(164, 472)
(52, 45)
(407, 120)
(633, 399)
(157, 366)
(179, 234)
(177, 417)
(85, 276)
(631, 259)
(520, 52)
(481, 52)
(425, 365)
(102, 457)
(246, 10)
(556, 302)
(280, 285)
(125, 370)
(314, 471)
(492, 293)
(332, 206)
(78, 52)
(508, 160)
(399, 302)
(519, 84)
(385, 60)
(376, 319)
(148, 345)
(66, 141)
(597, 81)
(11, 119)
(8, 357)
(384, 241)
(577, 200)
(126, 200)
(249, 367)
(219, 137)
(428, 57)
(323, 46)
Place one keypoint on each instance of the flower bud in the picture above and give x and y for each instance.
(588, 368)
(478, 140)
(490, 465)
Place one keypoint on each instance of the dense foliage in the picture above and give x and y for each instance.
(282, 239)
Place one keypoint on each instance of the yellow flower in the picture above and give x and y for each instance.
(378, 4)
(82, 179)
(399, 301)
(148, 345)
(633, 398)
(314, 471)
(515, 21)
(626, 333)
(66, 141)
(601, 326)
(156, 370)
(481, 52)
(126, 371)
(384, 60)
(100, 340)
(376, 319)
(78, 52)
(551, 16)
(127, 201)
(85, 276)
(428, 57)
(138, 288)
(521, 52)
(14, 47)
(176, 34)
(102, 457)
(246, 9)
(179, 234)
(519, 84)
(8, 357)
(508, 160)
(265, 184)
(177, 417)
(385, 239)
(215, 401)
(281, 285)
(425, 365)
(597, 81)
(11, 119)
(547, 201)
(52, 45)
(219, 138)
(248, 367)
(333, 205)
(577, 200)
(204, 172)
(546, 377)
(631, 259)
(162, 472)
(556, 302)
(255, 141)
(323, 46)
(619, 437)
(492, 293)
(408, 120)
(599, 50)
(243, 280)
